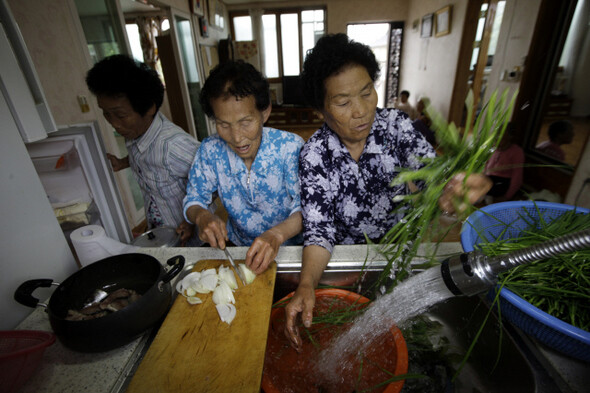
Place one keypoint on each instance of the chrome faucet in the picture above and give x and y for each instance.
(473, 272)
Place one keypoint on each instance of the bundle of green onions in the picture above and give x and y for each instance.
(560, 285)
(465, 152)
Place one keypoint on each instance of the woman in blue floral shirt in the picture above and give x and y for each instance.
(254, 169)
(347, 166)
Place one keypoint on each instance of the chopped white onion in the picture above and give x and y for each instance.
(222, 284)
(207, 283)
(248, 274)
(223, 294)
(227, 312)
(190, 292)
(207, 272)
(227, 275)
(194, 300)
(187, 282)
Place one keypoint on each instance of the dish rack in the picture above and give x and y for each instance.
(21, 352)
(504, 221)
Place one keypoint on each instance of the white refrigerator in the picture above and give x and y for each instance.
(52, 180)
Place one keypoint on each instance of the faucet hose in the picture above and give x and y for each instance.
(473, 272)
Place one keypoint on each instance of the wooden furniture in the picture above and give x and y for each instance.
(300, 120)
(558, 107)
(173, 82)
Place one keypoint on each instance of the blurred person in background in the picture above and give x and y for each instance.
(404, 105)
(561, 132)
(505, 168)
(422, 122)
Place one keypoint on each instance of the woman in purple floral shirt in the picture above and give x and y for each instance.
(347, 166)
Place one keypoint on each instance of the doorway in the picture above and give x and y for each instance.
(544, 98)
(568, 99)
(478, 46)
(105, 25)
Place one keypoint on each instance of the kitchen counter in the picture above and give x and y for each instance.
(65, 371)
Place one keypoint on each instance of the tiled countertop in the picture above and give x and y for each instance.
(65, 371)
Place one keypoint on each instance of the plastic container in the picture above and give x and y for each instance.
(21, 352)
(399, 348)
(53, 156)
(503, 221)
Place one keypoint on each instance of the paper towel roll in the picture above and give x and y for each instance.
(92, 244)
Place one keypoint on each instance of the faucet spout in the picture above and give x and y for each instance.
(473, 272)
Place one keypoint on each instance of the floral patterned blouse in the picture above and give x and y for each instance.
(341, 199)
(255, 200)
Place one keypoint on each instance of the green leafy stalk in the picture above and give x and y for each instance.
(461, 153)
(560, 285)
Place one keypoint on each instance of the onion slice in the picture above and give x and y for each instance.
(248, 274)
(227, 312)
(227, 275)
(223, 294)
(207, 282)
(187, 282)
(194, 300)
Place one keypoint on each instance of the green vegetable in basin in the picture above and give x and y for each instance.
(560, 286)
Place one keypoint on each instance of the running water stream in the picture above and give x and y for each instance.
(410, 298)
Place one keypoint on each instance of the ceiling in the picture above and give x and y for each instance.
(234, 2)
(128, 6)
(144, 6)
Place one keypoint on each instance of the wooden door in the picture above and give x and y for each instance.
(173, 83)
(466, 77)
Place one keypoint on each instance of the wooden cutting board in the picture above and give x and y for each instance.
(194, 351)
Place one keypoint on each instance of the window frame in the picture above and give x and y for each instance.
(277, 12)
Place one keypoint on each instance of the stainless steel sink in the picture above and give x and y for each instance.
(524, 365)
(494, 365)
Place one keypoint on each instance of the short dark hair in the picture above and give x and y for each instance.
(407, 93)
(122, 75)
(331, 55)
(238, 79)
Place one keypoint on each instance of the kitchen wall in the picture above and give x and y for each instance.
(54, 43)
(429, 64)
(51, 32)
(513, 43)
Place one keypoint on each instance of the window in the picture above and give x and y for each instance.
(134, 41)
(375, 35)
(385, 39)
(243, 28)
(281, 31)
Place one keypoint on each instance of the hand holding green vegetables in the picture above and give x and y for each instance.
(460, 188)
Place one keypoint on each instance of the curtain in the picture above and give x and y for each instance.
(393, 66)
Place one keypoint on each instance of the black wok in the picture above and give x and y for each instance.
(139, 272)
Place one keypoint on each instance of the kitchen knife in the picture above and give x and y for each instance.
(231, 261)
